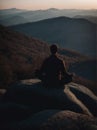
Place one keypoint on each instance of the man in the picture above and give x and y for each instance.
(53, 72)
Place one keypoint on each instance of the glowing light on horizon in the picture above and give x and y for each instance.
(44, 4)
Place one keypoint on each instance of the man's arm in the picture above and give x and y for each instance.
(63, 68)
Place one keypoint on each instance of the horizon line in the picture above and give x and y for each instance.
(49, 8)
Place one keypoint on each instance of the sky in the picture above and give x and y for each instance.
(45, 4)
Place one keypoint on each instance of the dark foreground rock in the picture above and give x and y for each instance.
(41, 98)
(71, 97)
(85, 96)
(32, 106)
(55, 120)
(67, 120)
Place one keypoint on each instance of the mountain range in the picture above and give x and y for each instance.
(24, 16)
(75, 34)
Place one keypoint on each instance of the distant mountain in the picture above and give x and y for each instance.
(11, 11)
(36, 15)
(90, 18)
(13, 20)
(21, 55)
(75, 34)
(11, 17)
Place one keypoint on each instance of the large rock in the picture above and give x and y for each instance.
(72, 97)
(41, 98)
(28, 105)
(67, 120)
(55, 120)
(85, 96)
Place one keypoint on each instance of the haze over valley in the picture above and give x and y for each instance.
(7, 16)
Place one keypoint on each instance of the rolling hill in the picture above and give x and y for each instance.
(92, 19)
(19, 55)
(11, 11)
(75, 34)
(13, 19)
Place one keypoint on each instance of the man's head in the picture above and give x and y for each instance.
(53, 49)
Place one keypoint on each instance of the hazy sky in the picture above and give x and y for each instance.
(44, 4)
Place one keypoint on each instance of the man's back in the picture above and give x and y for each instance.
(51, 70)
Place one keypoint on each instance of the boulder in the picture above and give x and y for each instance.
(55, 120)
(32, 106)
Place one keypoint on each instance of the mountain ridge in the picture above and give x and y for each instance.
(65, 31)
(36, 15)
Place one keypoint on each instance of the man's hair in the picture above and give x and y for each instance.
(53, 49)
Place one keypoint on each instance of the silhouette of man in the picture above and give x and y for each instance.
(53, 72)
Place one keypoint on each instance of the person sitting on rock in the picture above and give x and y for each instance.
(53, 71)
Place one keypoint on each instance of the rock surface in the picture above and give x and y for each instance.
(29, 105)
(70, 121)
